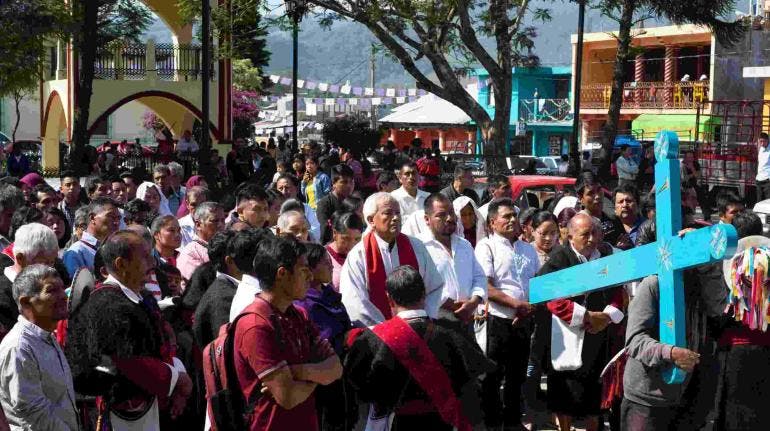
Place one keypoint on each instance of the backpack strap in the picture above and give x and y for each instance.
(231, 376)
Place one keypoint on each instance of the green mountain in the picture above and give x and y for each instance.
(341, 53)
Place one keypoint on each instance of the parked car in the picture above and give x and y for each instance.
(552, 162)
(31, 148)
(528, 189)
(523, 165)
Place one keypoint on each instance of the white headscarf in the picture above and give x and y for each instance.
(481, 223)
(141, 192)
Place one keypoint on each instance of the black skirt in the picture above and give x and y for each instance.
(578, 393)
(744, 389)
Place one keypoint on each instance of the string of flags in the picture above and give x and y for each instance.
(363, 102)
(347, 89)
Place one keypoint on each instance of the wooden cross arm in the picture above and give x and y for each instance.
(705, 245)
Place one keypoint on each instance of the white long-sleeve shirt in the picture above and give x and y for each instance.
(627, 168)
(247, 290)
(354, 282)
(36, 391)
(463, 276)
(510, 266)
(415, 225)
(407, 203)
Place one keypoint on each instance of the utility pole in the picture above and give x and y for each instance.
(294, 70)
(372, 62)
(574, 150)
(205, 74)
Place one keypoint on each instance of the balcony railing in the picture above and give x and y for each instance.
(648, 95)
(545, 110)
(167, 62)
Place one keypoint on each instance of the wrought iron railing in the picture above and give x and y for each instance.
(178, 62)
(648, 95)
(544, 110)
(126, 62)
(131, 61)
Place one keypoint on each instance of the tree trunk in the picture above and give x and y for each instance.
(17, 101)
(496, 146)
(85, 45)
(616, 97)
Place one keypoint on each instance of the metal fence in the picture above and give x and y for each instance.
(126, 62)
(146, 162)
(129, 62)
(545, 110)
(178, 62)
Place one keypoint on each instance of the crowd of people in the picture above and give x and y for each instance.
(342, 297)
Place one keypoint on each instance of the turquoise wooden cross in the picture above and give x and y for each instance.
(666, 257)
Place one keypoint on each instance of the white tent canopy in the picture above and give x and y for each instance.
(429, 110)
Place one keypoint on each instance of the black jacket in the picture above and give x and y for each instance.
(325, 209)
(213, 310)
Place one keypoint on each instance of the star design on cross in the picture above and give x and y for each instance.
(718, 242)
(664, 255)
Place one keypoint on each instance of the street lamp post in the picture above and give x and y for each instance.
(295, 9)
(205, 72)
(574, 154)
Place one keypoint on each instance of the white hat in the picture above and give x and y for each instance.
(565, 202)
(743, 245)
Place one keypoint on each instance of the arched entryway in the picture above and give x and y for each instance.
(176, 112)
(55, 129)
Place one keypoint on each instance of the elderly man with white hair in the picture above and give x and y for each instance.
(383, 249)
(34, 243)
(293, 223)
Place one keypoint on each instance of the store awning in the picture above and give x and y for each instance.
(647, 126)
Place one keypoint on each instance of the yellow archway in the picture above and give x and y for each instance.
(55, 127)
(168, 12)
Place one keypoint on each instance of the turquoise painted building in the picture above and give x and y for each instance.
(541, 117)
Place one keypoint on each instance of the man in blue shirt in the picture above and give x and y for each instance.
(103, 220)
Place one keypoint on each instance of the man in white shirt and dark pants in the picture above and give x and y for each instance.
(465, 284)
(763, 168)
(508, 264)
(626, 166)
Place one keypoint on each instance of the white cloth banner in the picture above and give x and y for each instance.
(368, 91)
(412, 92)
(345, 89)
(400, 99)
(376, 101)
(274, 79)
(390, 92)
(300, 83)
(323, 86)
(329, 102)
(353, 101)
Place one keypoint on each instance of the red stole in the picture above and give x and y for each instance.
(376, 270)
(413, 353)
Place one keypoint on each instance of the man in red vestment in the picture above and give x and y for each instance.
(416, 372)
(383, 249)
